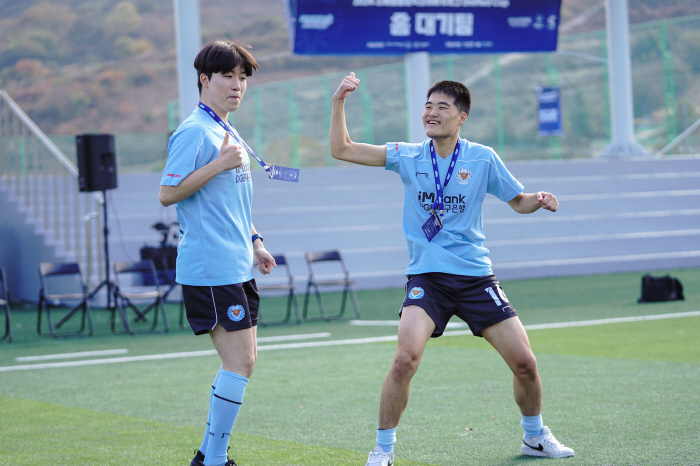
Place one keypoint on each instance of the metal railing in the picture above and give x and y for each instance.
(42, 182)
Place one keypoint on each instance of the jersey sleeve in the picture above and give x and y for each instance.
(183, 148)
(502, 183)
(393, 159)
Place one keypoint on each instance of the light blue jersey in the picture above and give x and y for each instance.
(459, 247)
(215, 222)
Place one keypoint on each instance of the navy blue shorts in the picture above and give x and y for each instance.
(234, 307)
(479, 301)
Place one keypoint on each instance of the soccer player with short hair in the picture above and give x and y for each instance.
(445, 182)
(207, 176)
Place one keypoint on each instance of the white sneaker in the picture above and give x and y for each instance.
(379, 457)
(545, 445)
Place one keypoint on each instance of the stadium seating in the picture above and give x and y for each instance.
(137, 281)
(327, 257)
(68, 277)
(265, 284)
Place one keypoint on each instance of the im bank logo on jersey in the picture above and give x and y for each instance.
(416, 293)
(464, 176)
(236, 313)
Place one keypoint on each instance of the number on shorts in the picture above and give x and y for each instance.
(495, 297)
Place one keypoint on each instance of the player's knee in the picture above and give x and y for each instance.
(405, 364)
(525, 367)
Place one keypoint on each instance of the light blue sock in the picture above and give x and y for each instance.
(532, 425)
(386, 438)
(205, 440)
(228, 397)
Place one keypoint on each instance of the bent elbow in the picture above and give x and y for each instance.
(165, 200)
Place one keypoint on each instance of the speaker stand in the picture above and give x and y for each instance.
(112, 289)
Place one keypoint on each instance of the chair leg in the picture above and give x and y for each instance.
(7, 337)
(182, 315)
(293, 296)
(354, 301)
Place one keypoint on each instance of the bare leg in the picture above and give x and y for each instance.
(414, 331)
(238, 350)
(510, 340)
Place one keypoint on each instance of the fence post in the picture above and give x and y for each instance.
(669, 87)
(327, 108)
(500, 136)
(293, 118)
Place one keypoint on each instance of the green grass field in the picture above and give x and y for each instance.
(619, 393)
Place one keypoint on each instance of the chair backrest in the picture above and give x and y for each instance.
(146, 270)
(58, 268)
(65, 275)
(321, 256)
(324, 256)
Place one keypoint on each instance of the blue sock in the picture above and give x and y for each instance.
(532, 425)
(205, 441)
(228, 397)
(386, 438)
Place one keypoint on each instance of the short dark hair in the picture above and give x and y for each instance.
(222, 56)
(458, 91)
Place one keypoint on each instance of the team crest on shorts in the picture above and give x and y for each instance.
(236, 313)
(416, 293)
(464, 176)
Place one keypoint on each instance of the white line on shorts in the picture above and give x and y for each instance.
(310, 344)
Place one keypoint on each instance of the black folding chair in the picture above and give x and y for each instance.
(313, 282)
(5, 302)
(66, 276)
(138, 281)
(271, 284)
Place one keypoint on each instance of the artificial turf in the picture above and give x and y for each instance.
(619, 394)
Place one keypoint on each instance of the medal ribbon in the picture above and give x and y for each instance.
(230, 130)
(438, 204)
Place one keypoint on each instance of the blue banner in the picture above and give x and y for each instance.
(549, 111)
(397, 27)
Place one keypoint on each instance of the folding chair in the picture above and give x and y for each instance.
(55, 275)
(5, 302)
(138, 281)
(328, 256)
(288, 287)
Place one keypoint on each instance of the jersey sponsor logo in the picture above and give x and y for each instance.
(464, 176)
(416, 292)
(173, 175)
(236, 313)
(397, 147)
(242, 173)
(454, 204)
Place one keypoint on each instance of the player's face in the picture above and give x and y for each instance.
(441, 118)
(224, 91)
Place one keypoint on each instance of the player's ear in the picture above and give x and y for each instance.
(463, 118)
(204, 80)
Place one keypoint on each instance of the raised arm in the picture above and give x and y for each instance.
(342, 147)
(527, 203)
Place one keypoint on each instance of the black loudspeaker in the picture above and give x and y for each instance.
(97, 165)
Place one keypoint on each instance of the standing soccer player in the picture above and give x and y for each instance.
(207, 176)
(445, 181)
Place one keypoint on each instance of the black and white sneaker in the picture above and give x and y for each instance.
(198, 460)
(545, 445)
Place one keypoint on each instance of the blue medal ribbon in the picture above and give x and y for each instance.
(231, 130)
(439, 204)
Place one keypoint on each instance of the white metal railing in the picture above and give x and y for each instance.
(42, 181)
(680, 138)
